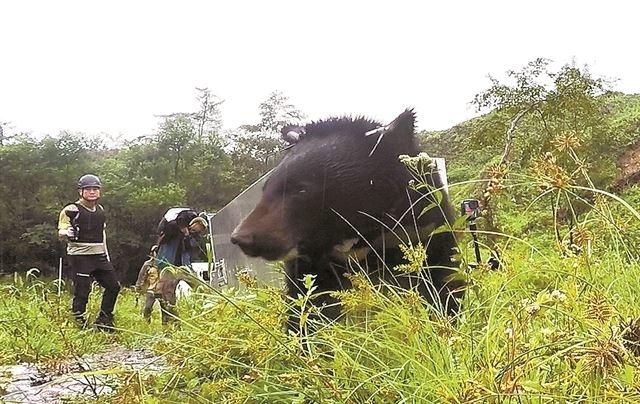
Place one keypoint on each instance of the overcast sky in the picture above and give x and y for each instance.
(112, 66)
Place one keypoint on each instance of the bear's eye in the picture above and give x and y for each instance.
(298, 190)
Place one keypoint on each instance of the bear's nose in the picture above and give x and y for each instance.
(242, 240)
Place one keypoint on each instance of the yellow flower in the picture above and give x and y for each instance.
(416, 255)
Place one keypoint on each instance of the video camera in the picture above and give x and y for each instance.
(470, 208)
(73, 217)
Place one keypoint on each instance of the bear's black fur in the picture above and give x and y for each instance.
(342, 191)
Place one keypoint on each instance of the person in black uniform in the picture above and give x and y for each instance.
(82, 225)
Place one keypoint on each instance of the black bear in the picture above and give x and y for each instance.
(341, 193)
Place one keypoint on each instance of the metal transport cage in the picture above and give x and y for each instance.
(228, 259)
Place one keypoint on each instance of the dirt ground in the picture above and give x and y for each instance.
(86, 377)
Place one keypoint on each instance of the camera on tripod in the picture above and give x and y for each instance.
(470, 208)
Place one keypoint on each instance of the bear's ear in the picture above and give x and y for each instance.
(404, 124)
(292, 133)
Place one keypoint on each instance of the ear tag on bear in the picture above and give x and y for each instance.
(381, 130)
(292, 134)
(375, 131)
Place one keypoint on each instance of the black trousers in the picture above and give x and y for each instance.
(86, 268)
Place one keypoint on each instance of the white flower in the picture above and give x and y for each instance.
(509, 332)
(558, 296)
(533, 308)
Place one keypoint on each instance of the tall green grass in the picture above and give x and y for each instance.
(555, 323)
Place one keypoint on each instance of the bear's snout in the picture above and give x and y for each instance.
(246, 242)
(242, 240)
(259, 244)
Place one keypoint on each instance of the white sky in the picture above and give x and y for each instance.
(111, 66)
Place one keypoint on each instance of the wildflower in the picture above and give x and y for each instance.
(251, 376)
(420, 167)
(454, 340)
(598, 308)
(509, 332)
(558, 296)
(424, 158)
(631, 335)
(532, 309)
(412, 299)
(567, 141)
(416, 255)
(602, 356)
(360, 297)
(581, 235)
(552, 175)
(247, 279)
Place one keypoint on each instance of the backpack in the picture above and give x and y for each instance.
(174, 219)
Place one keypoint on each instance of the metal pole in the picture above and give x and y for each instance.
(471, 209)
(212, 265)
(59, 276)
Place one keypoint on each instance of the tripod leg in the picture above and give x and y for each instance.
(476, 245)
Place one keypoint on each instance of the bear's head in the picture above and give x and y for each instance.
(339, 179)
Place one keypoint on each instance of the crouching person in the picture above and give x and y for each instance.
(82, 225)
(147, 283)
(177, 241)
(168, 301)
(157, 285)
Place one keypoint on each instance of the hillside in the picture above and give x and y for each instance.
(469, 146)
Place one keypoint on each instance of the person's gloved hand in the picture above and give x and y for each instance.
(198, 225)
(71, 233)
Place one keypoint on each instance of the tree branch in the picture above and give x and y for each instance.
(510, 133)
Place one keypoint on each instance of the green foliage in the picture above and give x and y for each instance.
(623, 113)
(33, 188)
(277, 111)
(544, 327)
(188, 162)
(36, 324)
(557, 322)
(544, 108)
(255, 148)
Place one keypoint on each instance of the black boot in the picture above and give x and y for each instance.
(104, 322)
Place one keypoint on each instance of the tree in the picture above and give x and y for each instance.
(552, 128)
(543, 106)
(3, 135)
(255, 148)
(277, 111)
(38, 179)
(209, 118)
(175, 138)
(185, 163)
